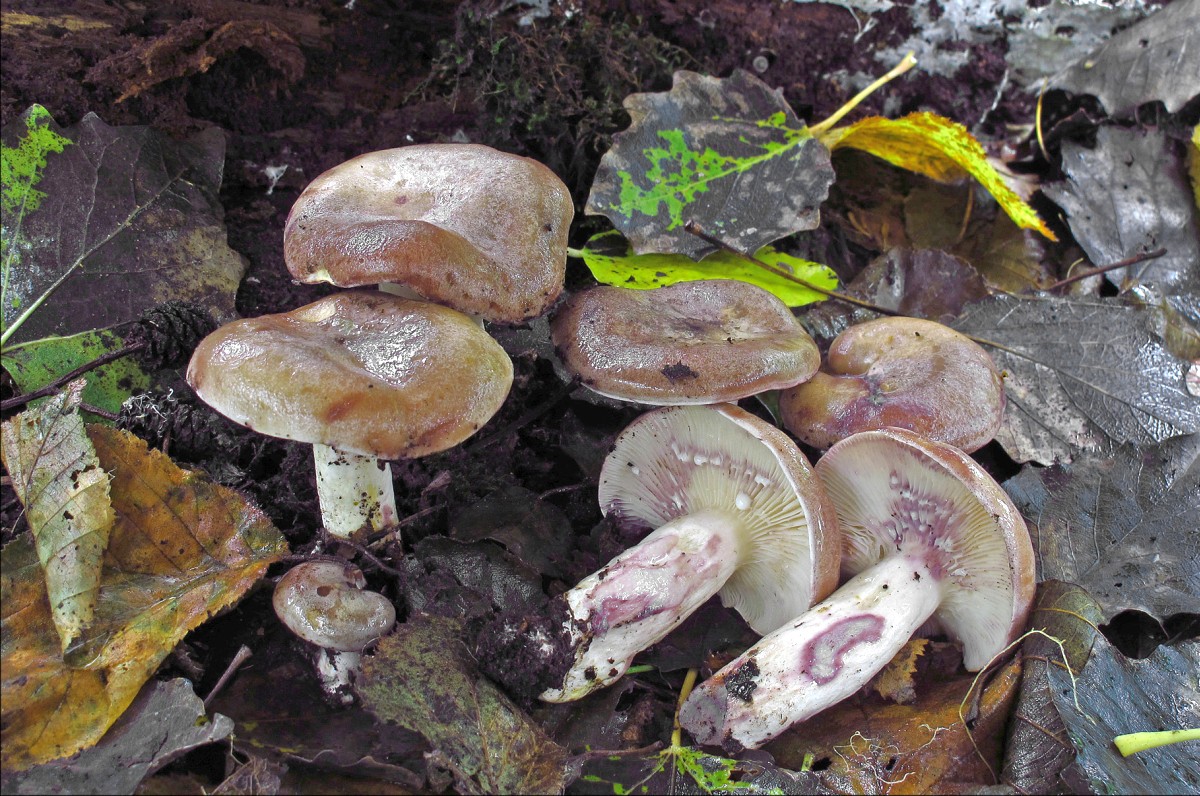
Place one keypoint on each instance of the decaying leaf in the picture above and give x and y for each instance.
(1128, 196)
(611, 263)
(1122, 525)
(101, 223)
(108, 386)
(65, 492)
(1064, 726)
(1156, 59)
(165, 721)
(727, 153)
(181, 549)
(938, 148)
(1081, 374)
(895, 681)
(422, 678)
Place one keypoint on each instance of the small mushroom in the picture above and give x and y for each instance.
(698, 342)
(324, 603)
(899, 372)
(464, 225)
(737, 511)
(363, 376)
(926, 534)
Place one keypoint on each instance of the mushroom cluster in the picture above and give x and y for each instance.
(365, 376)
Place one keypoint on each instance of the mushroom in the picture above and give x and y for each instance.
(900, 372)
(323, 602)
(464, 225)
(363, 376)
(696, 342)
(926, 534)
(737, 511)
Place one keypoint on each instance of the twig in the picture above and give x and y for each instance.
(238, 659)
(1128, 261)
(54, 386)
(395, 573)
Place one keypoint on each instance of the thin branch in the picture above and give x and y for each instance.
(1128, 261)
(54, 386)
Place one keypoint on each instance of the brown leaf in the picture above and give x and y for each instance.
(895, 682)
(182, 549)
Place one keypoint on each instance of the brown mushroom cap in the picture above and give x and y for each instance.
(897, 494)
(360, 371)
(464, 225)
(696, 342)
(687, 460)
(899, 372)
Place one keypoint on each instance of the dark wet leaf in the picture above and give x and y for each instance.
(1081, 375)
(1122, 526)
(422, 678)
(107, 222)
(536, 532)
(470, 579)
(710, 628)
(1128, 196)
(165, 721)
(1063, 728)
(728, 153)
(1156, 59)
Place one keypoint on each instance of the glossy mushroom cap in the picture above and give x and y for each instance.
(479, 230)
(323, 602)
(899, 372)
(359, 371)
(899, 495)
(696, 342)
(688, 460)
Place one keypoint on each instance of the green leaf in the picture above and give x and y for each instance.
(422, 677)
(121, 220)
(940, 149)
(612, 263)
(65, 491)
(729, 154)
(42, 361)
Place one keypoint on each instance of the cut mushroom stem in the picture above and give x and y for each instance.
(840, 645)
(354, 491)
(736, 512)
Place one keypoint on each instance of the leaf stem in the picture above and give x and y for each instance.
(689, 682)
(906, 63)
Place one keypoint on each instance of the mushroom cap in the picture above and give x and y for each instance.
(898, 494)
(465, 225)
(698, 342)
(323, 602)
(899, 372)
(360, 371)
(682, 460)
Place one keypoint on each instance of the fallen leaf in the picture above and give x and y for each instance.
(422, 678)
(1050, 38)
(1156, 59)
(611, 263)
(727, 153)
(940, 149)
(101, 223)
(1080, 375)
(895, 681)
(1128, 196)
(182, 548)
(65, 491)
(1120, 524)
(166, 721)
(108, 386)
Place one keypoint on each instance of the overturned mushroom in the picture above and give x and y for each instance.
(464, 225)
(696, 342)
(927, 534)
(737, 512)
(364, 377)
(900, 372)
(323, 602)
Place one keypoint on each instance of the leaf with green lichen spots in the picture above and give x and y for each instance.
(608, 257)
(729, 154)
(938, 148)
(42, 361)
(21, 165)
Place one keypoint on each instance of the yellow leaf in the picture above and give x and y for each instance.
(940, 149)
(182, 549)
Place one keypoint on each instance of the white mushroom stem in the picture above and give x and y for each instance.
(353, 491)
(643, 594)
(824, 656)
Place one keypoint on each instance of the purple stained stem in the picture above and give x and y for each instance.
(817, 660)
(643, 594)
